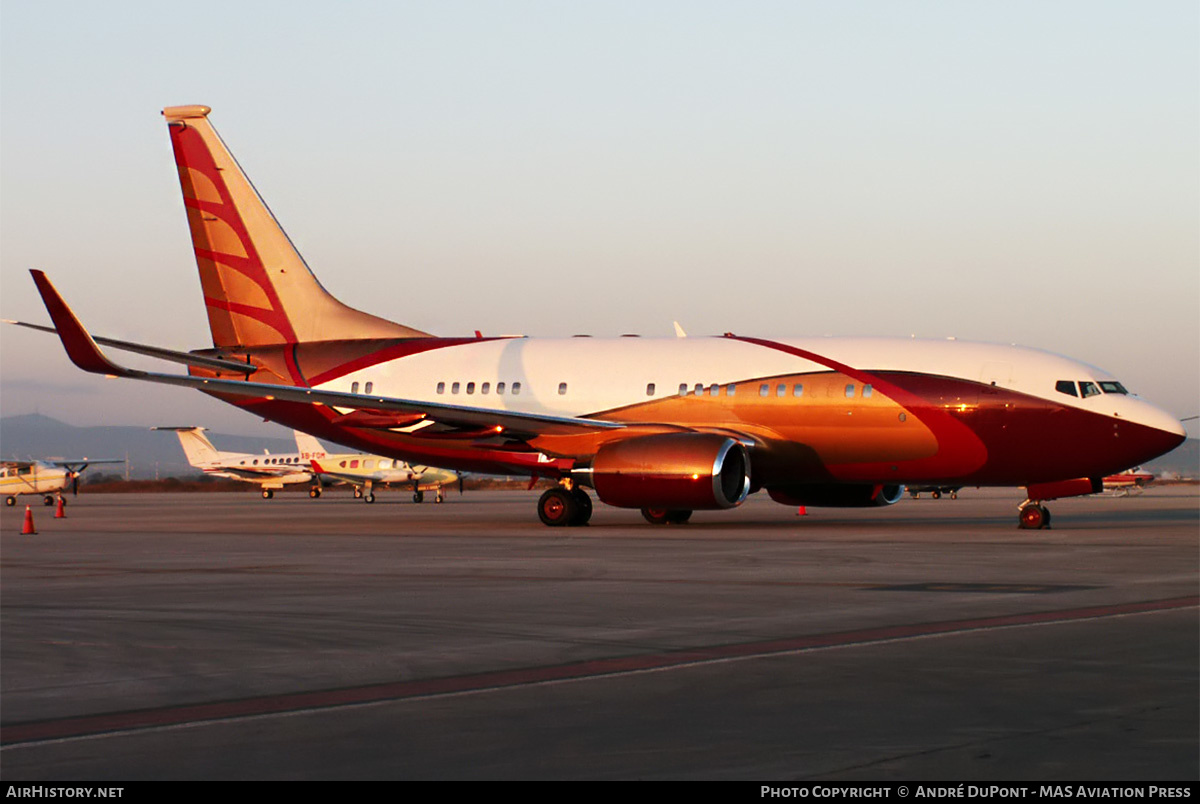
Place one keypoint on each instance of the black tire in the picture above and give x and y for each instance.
(935, 494)
(418, 496)
(369, 497)
(1033, 517)
(557, 508)
(583, 507)
(48, 500)
(679, 516)
(656, 516)
(314, 493)
(267, 494)
(10, 501)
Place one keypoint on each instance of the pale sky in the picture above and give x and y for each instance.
(1022, 172)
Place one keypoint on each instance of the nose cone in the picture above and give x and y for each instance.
(1152, 431)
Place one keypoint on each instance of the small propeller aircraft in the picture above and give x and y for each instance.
(47, 477)
(274, 471)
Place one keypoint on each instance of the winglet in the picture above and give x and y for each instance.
(80, 347)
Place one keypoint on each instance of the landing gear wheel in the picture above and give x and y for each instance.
(655, 516)
(418, 496)
(314, 492)
(557, 508)
(369, 497)
(935, 494)
(954, 496)
(48, 500)
(268, 494)
(583, 507)
(357, 493)
(1034, 517)
(441, 496)
(679, 517)
(10, 501)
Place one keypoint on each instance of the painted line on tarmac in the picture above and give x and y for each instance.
(69, 729)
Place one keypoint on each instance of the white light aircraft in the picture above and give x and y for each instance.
(47, 477)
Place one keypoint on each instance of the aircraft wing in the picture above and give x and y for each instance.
(85, 354)
(186, 358)
(346, 477)
(79, 464)
(260, 472)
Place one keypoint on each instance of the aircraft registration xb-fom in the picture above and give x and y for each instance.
(668, 426)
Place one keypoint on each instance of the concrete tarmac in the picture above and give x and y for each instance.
(221, 636)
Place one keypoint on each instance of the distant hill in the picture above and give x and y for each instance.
(150, 453)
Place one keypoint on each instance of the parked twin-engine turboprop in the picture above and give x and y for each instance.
(667, 426)
(311, 463)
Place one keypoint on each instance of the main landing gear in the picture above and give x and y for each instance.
(1033, 516)
(565, 507)
(666, 516)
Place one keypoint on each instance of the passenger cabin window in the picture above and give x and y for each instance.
(781, 389)
(354, 387)
(764, 390)
(500, 388)
(649, 389)
(483, 389)
(1065, 387)
(730, 389)
(562, 389)
(441, 387)
(714, 390)
(470, 388)
(683, 389)
(867, 391)
(797, 390)
(516, 388)
(454, 388)
(1087, 389)
(367, 388)
(850, 391)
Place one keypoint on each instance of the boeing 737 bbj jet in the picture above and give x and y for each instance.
(667, 426)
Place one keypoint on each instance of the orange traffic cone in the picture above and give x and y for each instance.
(60, 510)
(27, 528)
(802, 511)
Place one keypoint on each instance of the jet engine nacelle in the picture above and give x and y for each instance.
(836, 495)
(671, 470)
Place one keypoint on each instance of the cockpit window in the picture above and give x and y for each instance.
(1112, 387)
(1087, 389)
(1065, 387)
